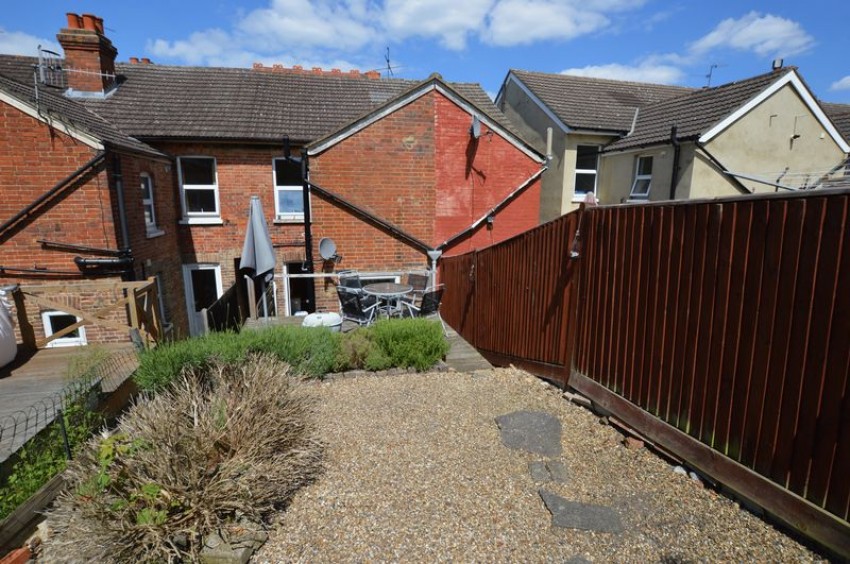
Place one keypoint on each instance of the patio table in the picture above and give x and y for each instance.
(389, 295)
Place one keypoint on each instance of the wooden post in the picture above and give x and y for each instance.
(205, 321)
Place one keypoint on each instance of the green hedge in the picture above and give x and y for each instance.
(403, 343)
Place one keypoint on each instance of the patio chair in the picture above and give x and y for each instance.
(350, 279)
(419, 282)
(429, 306)
(353, 306)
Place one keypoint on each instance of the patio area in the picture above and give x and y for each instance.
(416, 470)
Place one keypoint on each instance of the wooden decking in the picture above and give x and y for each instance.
(462, 356)
(31, 388)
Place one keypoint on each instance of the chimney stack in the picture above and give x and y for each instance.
(89, 55)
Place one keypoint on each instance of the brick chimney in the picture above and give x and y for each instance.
(89, 55)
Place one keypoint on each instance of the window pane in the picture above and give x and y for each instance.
(204, 287)
(149, 214)
(287, 173)
(146, 188)
(641, 187)
(198, 201)
(585, 182)
(197, 170)
(645, 166)
(586, 157)
(290, 201)
(60, 321)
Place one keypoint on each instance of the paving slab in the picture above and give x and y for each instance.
(532, 431)
(583, 516)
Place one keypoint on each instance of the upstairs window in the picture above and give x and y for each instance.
(587, 159)
(288, 191)
(643, 179)
(147, 203)
(198, 187)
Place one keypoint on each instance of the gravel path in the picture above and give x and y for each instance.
(416, 471)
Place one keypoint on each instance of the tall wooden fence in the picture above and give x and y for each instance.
(718, 329)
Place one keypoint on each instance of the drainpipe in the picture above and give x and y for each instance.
(122, 210)
(676, 154)
(126, 262)
(308, 231)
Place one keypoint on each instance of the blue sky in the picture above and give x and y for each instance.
(674, 42)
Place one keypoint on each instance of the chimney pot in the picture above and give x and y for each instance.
(354, 72)
(74, 21)
(373, 74)
(98, 25)
(257, 66)
(297, 68)
(146, 61)
(134, 60)
(90, 22)
(336, 71)
(277, 67)
(317, 70)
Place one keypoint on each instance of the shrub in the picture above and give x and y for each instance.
(224, 442)
(411, 343)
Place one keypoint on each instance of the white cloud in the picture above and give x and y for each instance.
(643, 72)
(451, 22)
(842, 84)
(19, 43)
(518, 22)
(345, 25)
(764, 35)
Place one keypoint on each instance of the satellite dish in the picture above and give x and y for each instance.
(475, 129)
(327, 249)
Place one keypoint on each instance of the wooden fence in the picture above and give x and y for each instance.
(718, 329)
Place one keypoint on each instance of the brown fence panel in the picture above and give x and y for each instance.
(718, 328)
(734, 329)
(514, 301)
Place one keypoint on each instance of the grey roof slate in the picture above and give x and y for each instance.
(695, 112)
(595, 103)
(74, 114)
(840, 116)
(214, 103)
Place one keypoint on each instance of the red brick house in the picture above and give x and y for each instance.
(396, 168)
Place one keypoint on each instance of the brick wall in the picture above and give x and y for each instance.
(473, 175)
(34, 158)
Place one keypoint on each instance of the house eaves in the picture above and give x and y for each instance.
(432, 84)
(513, 79)
(791, 78)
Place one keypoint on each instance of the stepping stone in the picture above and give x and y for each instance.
(547, 471)
(582, 516)
(532, 431)
(577, 560)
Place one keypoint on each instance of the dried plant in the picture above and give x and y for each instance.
(226, 443)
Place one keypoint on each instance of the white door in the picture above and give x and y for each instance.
(203, 288)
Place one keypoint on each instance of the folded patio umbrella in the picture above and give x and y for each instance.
(257, 252)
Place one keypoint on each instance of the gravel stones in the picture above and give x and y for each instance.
(415, 471)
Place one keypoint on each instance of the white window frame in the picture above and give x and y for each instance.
(66, 341)
(640, 177)
(199, 217)
(151, 227)
(282, 216)
(580, 196)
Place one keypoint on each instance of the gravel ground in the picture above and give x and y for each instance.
(416, 471)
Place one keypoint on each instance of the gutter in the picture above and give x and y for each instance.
(493, 211)
(91, 166)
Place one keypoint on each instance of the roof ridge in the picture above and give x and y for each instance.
(600, 79)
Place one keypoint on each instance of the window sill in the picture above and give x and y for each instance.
(288, 220)
(579, 198)
(201, 221)
(154, 233)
